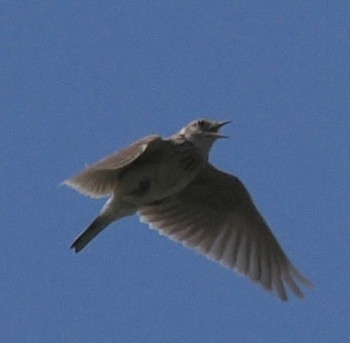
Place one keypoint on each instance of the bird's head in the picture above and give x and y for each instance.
(203, 133)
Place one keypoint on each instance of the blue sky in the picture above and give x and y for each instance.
(81, 79)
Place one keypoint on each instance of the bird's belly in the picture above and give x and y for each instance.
(148, 183)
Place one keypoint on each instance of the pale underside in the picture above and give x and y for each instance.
(214, 215)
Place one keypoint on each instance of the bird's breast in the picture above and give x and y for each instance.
(148, 182)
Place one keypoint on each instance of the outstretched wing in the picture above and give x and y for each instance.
(99, 179)
(216, 216)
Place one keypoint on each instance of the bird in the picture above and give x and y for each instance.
(171, 185)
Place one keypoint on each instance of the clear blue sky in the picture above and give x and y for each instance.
(81, 79)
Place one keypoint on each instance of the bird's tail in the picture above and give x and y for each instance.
(100, 223)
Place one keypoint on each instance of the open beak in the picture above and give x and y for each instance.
(217, 127)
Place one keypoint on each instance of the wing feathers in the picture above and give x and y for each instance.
(216, 216)
(100, 179)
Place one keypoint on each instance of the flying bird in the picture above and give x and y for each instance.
(171, 185)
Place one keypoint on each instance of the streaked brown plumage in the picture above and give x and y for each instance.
(171, 185)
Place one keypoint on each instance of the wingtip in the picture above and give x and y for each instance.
(65, 183)
(299, 276)
(68, 183)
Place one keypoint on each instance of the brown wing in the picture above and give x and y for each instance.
(99, 179)
(216, 216)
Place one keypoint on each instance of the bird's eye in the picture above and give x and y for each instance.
(201, 122)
